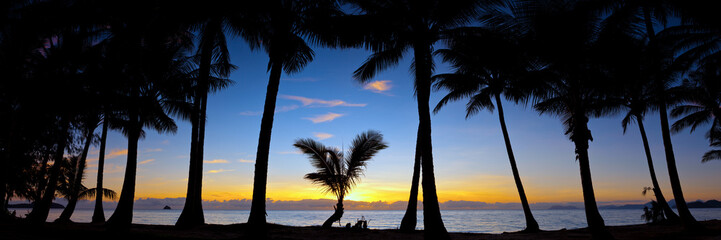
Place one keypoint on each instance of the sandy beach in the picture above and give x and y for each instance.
(240, 231)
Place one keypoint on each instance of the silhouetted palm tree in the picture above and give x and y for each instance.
(339, 172)
(392, 29)
(89, 125)
(278, 27)
(638, 102)
(147, 51)
(71, 187)
(58, 64)
(487, 65)
(661, 78)
(564, 34)
(98, 212)
(212, 47)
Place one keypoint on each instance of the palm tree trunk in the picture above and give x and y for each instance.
(192, 214)
(531, 224)
(670, 215)
(260, 180)
(337, 215)
(3, 194)
(433, 222)
(581, 136)
(686, 218)
(410, 218)
(78, 180)
(98, 213)
(123, 215)
(185, 218)
(683, 211)
(41, 208)
(43, 182)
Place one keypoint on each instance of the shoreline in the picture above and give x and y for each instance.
(22, 230)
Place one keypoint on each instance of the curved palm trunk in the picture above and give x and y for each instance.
(260, 179)
(683, 212)
(531, 224)
(581, 136)
(192, 214)
(686, 218)
(670, 215)
(123, 215)
(78, 180)
(433, 223)
(337, 215)
(410, 218)
(41, 208)
(98, 213)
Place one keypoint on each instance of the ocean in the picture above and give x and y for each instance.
(473, 221)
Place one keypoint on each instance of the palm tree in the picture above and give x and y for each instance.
(487, 65)
(90, 124)
(565, 36)
(58, 64)
(278, 27)
(638, 102)
(212, 48)
(657, 72)
(98, 212)
(338, 172)
(391, 30)
(71, 187)
(160, 44)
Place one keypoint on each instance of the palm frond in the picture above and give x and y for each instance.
(379, 61)
(711, 155)
(90, 193)
(362, 149)
(692, 120)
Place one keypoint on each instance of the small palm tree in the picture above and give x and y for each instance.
(339, 172)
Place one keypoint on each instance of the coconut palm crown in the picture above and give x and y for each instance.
(338, 172)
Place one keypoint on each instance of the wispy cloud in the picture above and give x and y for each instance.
(216, 161)
(165, 142)
(249, 113)
(380, 86)
(221, 170)
(325, 117)
(304, 79)
(245, 161)
(109, 168)
(116, 153)
(148, 150)
(291, 152)
(287, 108)
(322, 136)
(313, 102)
(146, 161)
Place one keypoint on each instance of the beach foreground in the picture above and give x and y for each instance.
(240, 231)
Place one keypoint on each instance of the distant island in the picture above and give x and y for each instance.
(696, 204)
(708, 204)
(166, 207)
(562, 207)
(30, 205)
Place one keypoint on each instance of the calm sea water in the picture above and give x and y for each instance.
(476, 221)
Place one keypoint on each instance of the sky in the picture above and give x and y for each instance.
(323, 102)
